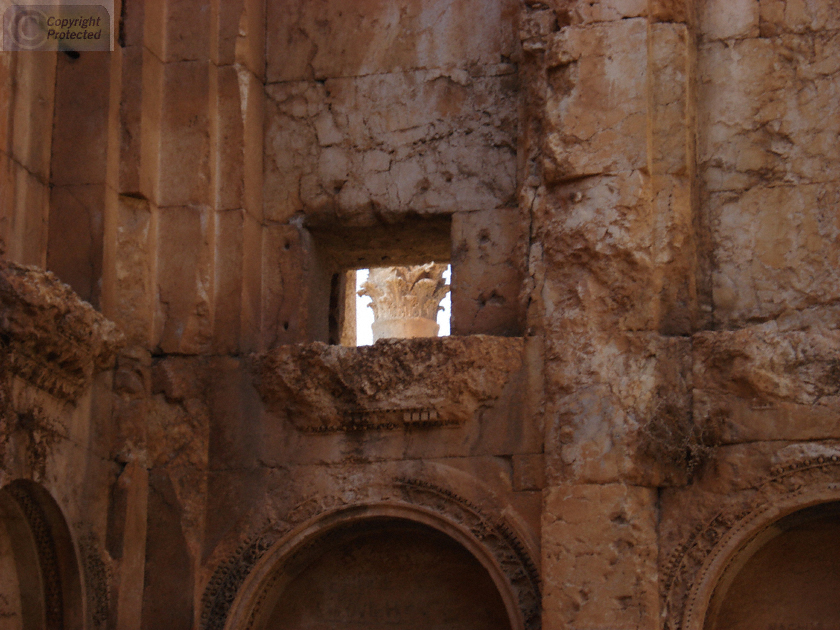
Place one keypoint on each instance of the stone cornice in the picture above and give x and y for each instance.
(393, 384)
(52, 338)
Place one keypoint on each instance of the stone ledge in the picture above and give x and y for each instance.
(393, 384)
(53, 339)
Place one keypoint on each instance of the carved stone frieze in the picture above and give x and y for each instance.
(798, 480)
(51, 337)
(393, 384)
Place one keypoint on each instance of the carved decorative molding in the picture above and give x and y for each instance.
(47, 555)
(393, 384)
(796, 483)
(495, 535)
(53, 339)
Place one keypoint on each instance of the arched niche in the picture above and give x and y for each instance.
(40, 584)
(377, 568)
(787, 577)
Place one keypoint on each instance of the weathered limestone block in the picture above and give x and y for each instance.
(598, 248)
(75, 242)
(729, 19)
(575, 13)
(30, 96)
(776, 251)
(80, 120)
(596, 106)
(177, 30)
(321, 39)
(185, 280)
(227, 285)
(226, 138)
(488, 272)
(391, 384)
(53, 339)
(129, 293)
(175, 129)
(620, 409)
(599, 558)
(125, 122)
(768, 111)
(288, 277)
(670, 110)
(425, 141)
(758, 384)
(779, 16)
(25, 201)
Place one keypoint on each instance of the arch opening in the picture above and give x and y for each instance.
(786, 578)
(39, 579)
(381, 573)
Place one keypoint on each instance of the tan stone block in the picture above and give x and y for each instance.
(150, 122)
(798, 16)
(320, 39)
(252, 273)
(225, 24)
(129, 293)
(528, 472)
(131, 23)
(226, 138)
(676, 257)
(253, 134)
(729, 19)
(80, 133)
(670, 122)
(288, 282)
(126, 120)
(7, 69)
(765, 111)
(175, 128)
(597, 236)
(599, 557)
(184, 135)
(609, 405)
(488, 271)
(26, 203)
(596, 104)
(177, 30)
(185, 275)
(776, 251)
(75, 243)
(572, 12)
(327, 146)
(32, 110)
(757, 384)
(228, 282)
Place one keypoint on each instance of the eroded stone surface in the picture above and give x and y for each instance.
(54, 339)
(420, 381)
(423, 141)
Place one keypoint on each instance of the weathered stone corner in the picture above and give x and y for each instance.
(53, 339)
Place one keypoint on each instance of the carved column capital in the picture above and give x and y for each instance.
(406, 300)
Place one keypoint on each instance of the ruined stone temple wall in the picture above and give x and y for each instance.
(638, 199)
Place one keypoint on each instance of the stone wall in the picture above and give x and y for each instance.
(636, 199)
